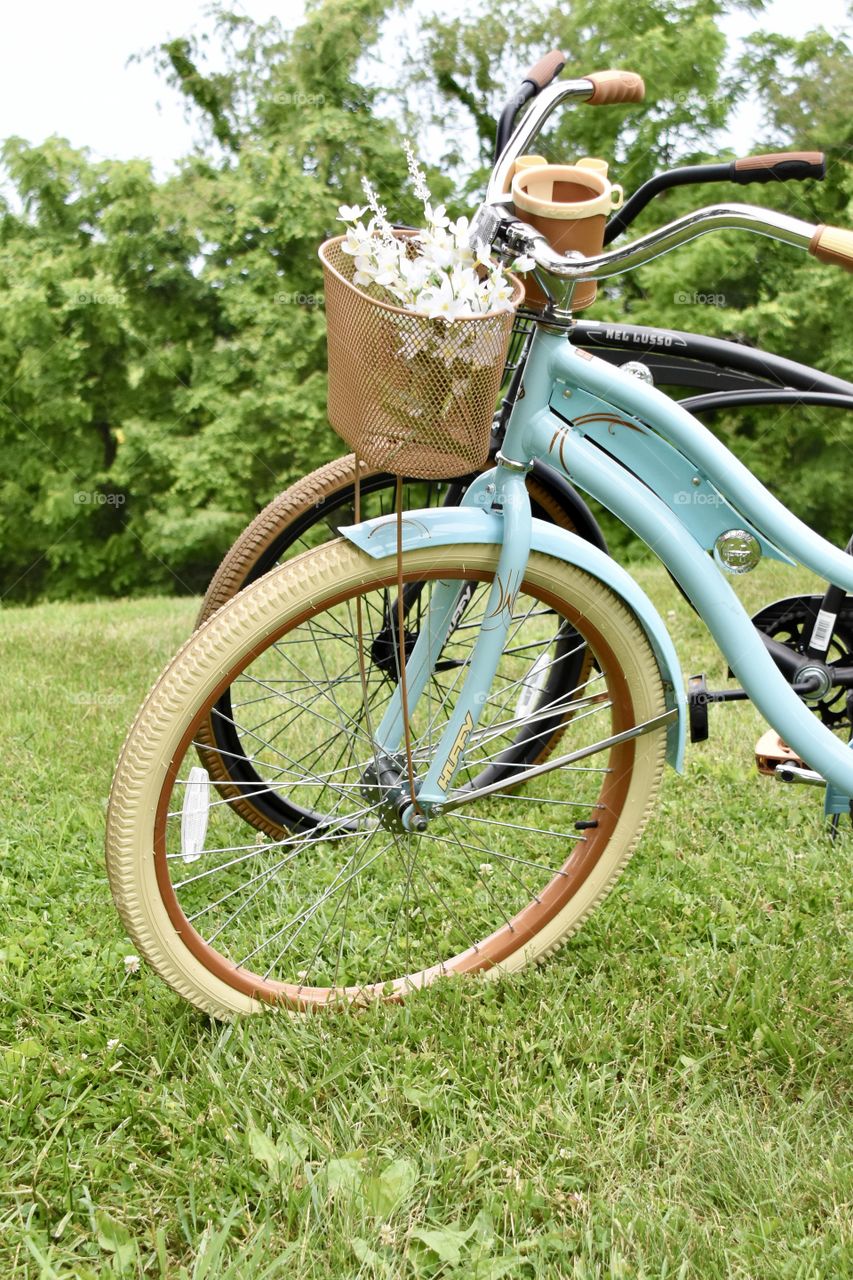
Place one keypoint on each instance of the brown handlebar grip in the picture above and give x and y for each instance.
(811, 158)
(833, 245)
(543, 72)
(615, 86)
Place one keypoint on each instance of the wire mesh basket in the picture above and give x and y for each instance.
(409, 394)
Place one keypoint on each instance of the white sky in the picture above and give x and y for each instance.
(63, 69)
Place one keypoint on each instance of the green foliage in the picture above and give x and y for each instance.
(667, 1096)
(676, 44)
(162, 343)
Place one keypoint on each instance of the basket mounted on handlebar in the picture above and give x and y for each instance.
(410, 394)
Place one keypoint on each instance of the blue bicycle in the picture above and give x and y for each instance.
(454, 802)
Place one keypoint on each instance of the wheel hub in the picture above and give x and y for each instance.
(385, 783)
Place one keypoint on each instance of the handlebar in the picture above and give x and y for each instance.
(619, 86)
(780, 167)
(616, 86)
(536, 79)
(546, 69)
(827, 244)
(495, 224)
(833, 245)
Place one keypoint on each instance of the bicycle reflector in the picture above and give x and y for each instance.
(737, 551)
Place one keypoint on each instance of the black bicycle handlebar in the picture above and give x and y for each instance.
(535, 80)
(791, 166)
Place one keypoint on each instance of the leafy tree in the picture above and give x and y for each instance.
(83, 303)
(162, 344)
(677, 44)
(758, 291)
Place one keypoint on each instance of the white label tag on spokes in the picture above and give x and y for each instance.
(194, 814)
(533, 685)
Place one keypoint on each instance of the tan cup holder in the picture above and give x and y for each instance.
(569, 204)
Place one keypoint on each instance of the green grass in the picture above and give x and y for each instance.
(669, 1097)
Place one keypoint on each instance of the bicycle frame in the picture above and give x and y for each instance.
(660, 471)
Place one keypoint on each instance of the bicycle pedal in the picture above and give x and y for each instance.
(699, 698)
(771, 751)
(697, 708)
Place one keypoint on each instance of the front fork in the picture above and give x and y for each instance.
(503, 491)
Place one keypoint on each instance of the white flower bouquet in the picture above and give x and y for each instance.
(435, 273)
(418, 328)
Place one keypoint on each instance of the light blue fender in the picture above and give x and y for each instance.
(452, 525)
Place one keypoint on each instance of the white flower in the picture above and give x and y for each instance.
(131, 964)
(113, 1044)
(463, 279)
(356, 239)
(459, 231)
(439, 303)
(441, 256)
(484, 254)
(388, 255)
(524, 263)
(379, 221)
(415, 272)
(436, 273)
(351, 212)
(416, 173)
(435, 238)
(486, 868)
(495, 294)
(436, 217)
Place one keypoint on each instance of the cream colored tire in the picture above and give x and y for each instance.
(213, 657)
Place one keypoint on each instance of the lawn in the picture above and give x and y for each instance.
(668, 1097)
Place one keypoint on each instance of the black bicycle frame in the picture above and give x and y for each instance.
(676, 358)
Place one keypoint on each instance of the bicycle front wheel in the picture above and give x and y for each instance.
(345, 907)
